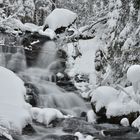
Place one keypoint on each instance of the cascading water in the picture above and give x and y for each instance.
(50, 95)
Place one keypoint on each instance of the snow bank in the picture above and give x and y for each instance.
(45, 115)
(14, 111)
(60, 18)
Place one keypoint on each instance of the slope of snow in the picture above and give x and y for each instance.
(45, 115)
(14, 111)
(60, 18)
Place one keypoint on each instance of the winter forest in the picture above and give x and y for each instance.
(69, 69)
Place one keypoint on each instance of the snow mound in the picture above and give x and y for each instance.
(124, 122)
(136, 123)
(133, 73)
(104, 95)
(119, 108)
(45, 115)
(60, 18)
(14, 111)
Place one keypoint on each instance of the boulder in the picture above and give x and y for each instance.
(72, 125)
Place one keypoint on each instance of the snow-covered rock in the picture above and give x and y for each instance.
(48, 32)
(10, 24)
(133, 73)
(82, 137)
(103, 96)
(60, 18)
(124, 122)
(114, 105)
(119, 108)
(14, 111)
(31, 27)
(79, 135)
(45, 115)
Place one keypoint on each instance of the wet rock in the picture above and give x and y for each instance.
(3, 138)
(65, 83)
(32, 94)
(119, 132)
(73, 125)
(28, 129)
(68, 137)
(62, 137)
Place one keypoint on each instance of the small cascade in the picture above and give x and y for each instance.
(50, 95)
(47, 54)
(12, 58)
(42, 75)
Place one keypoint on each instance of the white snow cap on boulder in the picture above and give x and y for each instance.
(124, 122)
(103, 96)
(45, 115)
(60, 18)
(14, 111)
(133, 73)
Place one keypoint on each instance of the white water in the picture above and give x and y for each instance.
(50, 95)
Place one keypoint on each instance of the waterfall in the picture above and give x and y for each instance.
(50, 95)
(47, 54)
(12, 58)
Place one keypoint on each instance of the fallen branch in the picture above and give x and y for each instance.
(93, 24)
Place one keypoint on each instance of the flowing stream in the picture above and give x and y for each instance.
(50, 95)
